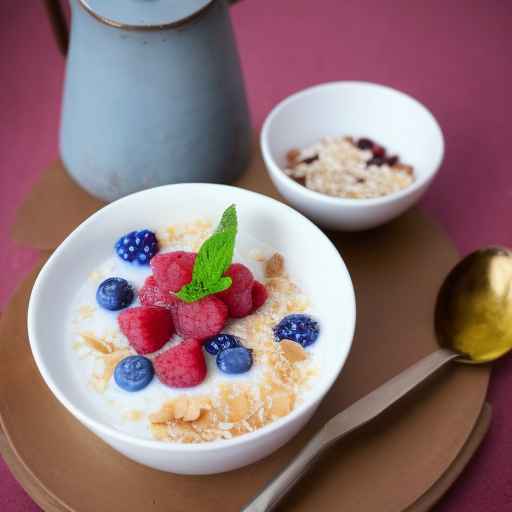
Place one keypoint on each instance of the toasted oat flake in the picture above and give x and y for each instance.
(257, 255)
(292, 351)
(274, 267)
(100, 345)
(86, 311)
(134, 415)
(164, 415)
(182, 408)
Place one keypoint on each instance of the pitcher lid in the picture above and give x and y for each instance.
(145, 14)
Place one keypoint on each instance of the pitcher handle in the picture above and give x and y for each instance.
(59, 25)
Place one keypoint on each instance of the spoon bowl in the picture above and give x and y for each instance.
(473, 314)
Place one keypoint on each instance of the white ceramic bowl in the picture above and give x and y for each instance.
(361, 109)
(310, 257)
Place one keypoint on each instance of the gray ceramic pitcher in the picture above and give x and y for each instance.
(153, 95)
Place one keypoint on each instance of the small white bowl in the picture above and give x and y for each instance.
(360, 109)
(310, 258)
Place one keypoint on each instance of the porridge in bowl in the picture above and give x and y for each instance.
(193, 334)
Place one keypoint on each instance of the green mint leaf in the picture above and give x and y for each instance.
(228, 221)
(192, 292)
(222, 284)
(213, 259)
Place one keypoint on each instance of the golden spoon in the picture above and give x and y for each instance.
(473, 322)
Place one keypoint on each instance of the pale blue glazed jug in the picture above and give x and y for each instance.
(153, 95)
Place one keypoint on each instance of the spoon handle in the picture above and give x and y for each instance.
(357, 415)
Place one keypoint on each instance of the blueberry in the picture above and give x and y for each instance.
(297, 327)
(216, 344)
(234, 360)
(134, 373)
(139, 246)
(114, 293)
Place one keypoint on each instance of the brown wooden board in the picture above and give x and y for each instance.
(388, 466)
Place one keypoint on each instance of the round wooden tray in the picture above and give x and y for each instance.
(388, 466)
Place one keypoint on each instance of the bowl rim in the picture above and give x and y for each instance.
(275, 170)
(100, 427)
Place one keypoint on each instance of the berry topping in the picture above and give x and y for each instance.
(240, 305)
(201, 319)
(234, 360)
(378, 151)
(134, 373)
(114, 293)
(392, 160)
(173, 270)
(147, 328)
(376, 160)
(238, 297)
(299, 328)
(241, 278)
(139, 246)
(310, 160)
(365, 143)
(216, 344)
(182, 366)
(151, 295)
(259, 295)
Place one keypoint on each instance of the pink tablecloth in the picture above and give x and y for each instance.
(453, 56)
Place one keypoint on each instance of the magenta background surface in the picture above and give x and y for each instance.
(453, 56)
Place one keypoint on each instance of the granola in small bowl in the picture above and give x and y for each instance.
(344, 167)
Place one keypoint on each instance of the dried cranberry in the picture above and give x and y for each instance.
(378, 151)
(310, 160)
(376, 160)
(365, 143)
(301, 180)
(392, 160)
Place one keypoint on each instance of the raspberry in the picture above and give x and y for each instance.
(147, 327)
(173, 270)
(241, 277)
(238, 297)
(150, 295)
(240, 305)
(182, 366)
(201, 319)
(259, 295)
